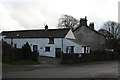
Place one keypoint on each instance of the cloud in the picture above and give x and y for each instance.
(31, 14)
(6, 21)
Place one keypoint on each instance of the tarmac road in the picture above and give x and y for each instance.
(105, 69)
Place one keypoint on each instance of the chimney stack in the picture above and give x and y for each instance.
(83, 21)
(46, 27)
(91, 25)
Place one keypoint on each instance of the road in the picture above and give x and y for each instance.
(106, 69)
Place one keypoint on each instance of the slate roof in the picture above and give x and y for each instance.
(42, 33)
(90, 29)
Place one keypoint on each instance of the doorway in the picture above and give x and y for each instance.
(58, 52)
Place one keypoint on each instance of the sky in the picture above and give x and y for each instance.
(33, 14)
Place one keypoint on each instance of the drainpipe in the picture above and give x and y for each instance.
(11, 47)
(11, 41)
(62, 50)
(62, 44)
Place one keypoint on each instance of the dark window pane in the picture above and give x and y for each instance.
(35, 48)
(47, 49)
(51, 40)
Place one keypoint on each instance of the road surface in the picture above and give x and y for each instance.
(105, 69)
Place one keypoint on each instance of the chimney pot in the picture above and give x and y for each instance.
(91, 25)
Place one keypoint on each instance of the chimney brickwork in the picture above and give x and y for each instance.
(83, 21)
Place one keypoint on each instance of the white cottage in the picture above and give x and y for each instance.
(47, 42)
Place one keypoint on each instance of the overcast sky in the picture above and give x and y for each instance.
(32, 14)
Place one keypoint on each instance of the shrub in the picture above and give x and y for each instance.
(6, 51)
(69, 58)
(34, 56)
(26, 50)
(28, 54)
(99, 56)
(11, 54)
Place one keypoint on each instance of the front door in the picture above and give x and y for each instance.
(58, 52)
(35, 48)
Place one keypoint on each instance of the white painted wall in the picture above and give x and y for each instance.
(77, 48)
(7, 40)
(44, 42)
(2, 37)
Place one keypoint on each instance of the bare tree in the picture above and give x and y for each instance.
(67, 21)
(112, 27)
(113, 30)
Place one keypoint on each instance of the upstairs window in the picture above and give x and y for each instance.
(51, 40)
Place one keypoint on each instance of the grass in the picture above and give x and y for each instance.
(23, 62)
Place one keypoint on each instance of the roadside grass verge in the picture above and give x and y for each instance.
(23, 62)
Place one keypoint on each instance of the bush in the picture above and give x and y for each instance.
(26, 50)
(6, 51)
(16, 54)
(10, 53)
(34, 56)
(69, 58)
(99, 56)
(28, 54)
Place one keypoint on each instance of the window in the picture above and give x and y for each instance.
(35, 48)
(51, 40)
(47, 49)
(85, 49)
(70, 49)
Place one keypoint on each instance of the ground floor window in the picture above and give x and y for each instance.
(70, 49)
(85, 49)
(47, 49)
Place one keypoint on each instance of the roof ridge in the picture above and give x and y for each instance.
(37, 33)
(35, 30)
